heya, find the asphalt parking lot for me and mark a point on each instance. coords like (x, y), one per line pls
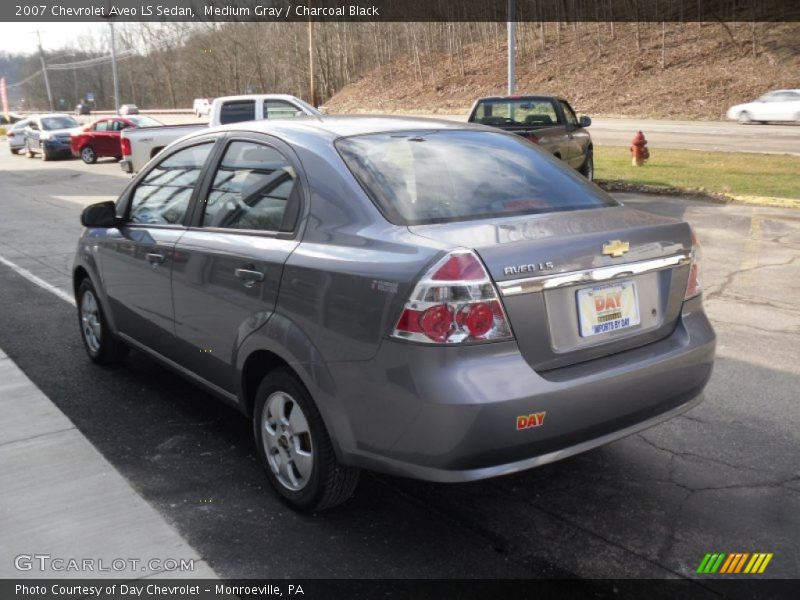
(724, 477)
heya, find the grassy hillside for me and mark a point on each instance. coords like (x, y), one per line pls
(707, 68)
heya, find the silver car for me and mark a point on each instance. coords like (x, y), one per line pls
(424, 298)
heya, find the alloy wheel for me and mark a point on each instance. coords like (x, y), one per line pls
(90, 322)
(286, 437)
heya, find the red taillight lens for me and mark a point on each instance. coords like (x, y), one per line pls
(454, 302)
(126, 146)
(693, 287)
(532, 138)
(10, 134)
(460, 267)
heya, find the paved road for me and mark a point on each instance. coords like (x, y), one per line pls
(723, 477)
(725, 136)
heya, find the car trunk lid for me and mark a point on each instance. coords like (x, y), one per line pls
(567, 300)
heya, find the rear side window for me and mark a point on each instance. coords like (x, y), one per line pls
(237, 111)
(253, 188)
(163, 195)
(442, 176)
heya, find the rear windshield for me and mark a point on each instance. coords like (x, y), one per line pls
(442, 176)
(140, 121)
(520, 112)
(50, 123)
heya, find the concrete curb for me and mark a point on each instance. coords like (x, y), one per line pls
(62, 500)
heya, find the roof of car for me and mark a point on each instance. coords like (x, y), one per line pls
(50, 115)
(521, 97)
(333, 127)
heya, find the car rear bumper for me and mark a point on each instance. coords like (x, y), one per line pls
(126, 165)
(452, 414)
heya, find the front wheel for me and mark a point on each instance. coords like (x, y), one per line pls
(45, 155)
(295, 448)
(587, 169)
(101, 345)
(28, 151)
(745, 118)
(88, 155)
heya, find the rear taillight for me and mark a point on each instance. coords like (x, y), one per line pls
(10, 134)
(454, 302)
(126, 146)
(532, 138)
(693, 287)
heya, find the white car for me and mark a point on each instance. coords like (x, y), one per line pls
(202, 106)
(780, 105)
(16, 136)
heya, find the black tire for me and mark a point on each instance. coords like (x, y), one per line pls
(744, 118)
(587, 169)
(45, 155)
(88, 155)
(14, 150)
(109, 349)
(330, 483)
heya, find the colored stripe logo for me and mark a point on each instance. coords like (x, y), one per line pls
(735, 562)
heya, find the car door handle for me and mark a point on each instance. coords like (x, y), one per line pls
(154, 258)
(249, 276)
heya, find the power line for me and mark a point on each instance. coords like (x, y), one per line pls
(24, 81)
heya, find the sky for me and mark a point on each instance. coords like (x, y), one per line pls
(20, 38)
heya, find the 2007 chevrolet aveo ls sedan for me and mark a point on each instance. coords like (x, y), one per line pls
(424, 298)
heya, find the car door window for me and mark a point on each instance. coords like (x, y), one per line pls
(101, 126)
(237, 111)
(569, 115)
(254, 188)
(278, 109)
(163, 194)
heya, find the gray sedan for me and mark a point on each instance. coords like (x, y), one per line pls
(424, 298)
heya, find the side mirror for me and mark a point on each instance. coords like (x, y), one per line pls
(102, 214)
(585, 121)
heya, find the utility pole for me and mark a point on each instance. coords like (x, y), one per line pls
(114, 67)
(512, 47)
(312, 94)
(44, 71)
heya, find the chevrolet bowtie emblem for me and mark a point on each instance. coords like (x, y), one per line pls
(616, 248)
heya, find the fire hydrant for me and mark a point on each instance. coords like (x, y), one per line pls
(639, 150)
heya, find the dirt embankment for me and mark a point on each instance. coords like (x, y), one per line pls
(707, 68)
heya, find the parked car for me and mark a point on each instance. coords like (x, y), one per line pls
(425, 298)
(102, 138)
(780, 105)
(140, 146)
(548, 121)
(16, 136)
(129, 109)
(202, 106)
(83, 109)
(49, 135)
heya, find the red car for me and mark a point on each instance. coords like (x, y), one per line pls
(101, 138)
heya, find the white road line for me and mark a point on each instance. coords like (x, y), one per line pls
(38, 281)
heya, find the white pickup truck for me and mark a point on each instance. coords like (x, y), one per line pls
(140, 145)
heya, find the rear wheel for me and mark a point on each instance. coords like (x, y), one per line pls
(101, 345)
(14, 150)
(295, 448)
(88, 155)
(587, 169)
